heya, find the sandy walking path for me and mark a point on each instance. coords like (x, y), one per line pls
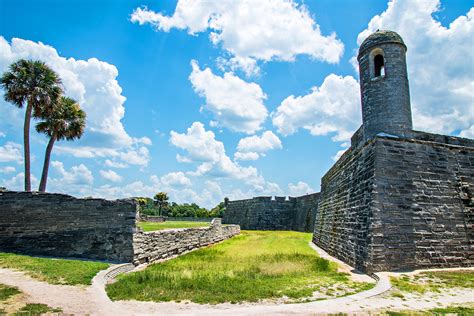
(94, 301)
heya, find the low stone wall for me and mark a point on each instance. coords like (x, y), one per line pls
(280, 213)
(163, 244)
(190, 219)
(63, 226)
(153, 219)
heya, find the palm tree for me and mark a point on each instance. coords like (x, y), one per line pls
(161, 199)
(66, 122)
(34, 84)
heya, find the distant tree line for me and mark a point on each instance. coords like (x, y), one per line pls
(159, 206)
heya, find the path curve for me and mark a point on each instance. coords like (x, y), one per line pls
(94, 301)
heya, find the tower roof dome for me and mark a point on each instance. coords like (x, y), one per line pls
(381, 37)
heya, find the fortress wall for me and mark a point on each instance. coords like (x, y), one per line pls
(306, 207)
(397, 204)
(346, 206)
(63, 226)
(163, 244)
(265, 213)
(425, 204)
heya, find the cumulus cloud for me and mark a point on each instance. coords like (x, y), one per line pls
(115, 164)
(11, 152)
(17, 183)
(300, 188)
(175, 179)
(251, 148)
(441, 80)
(203, 148)
(234, 103)
(441, 85)
(333, 108)
(78, 175)
(93, 83)
(110, 175)
(248, 31)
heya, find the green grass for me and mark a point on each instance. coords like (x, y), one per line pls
(6, 292)
(54, 271)
(252, 266)
(36, 309)
(434, 281)
(467, 310)
(149, 226)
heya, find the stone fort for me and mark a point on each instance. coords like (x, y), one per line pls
(398, 198)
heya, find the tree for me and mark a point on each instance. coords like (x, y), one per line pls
(161, 199)
(66, 122)
(34, 84)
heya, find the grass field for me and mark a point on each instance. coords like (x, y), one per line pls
(252, 266)
(149, 226)
(54, 271)
(433, 281)
(458, 310)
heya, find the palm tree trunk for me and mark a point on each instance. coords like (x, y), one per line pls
(26, 146)
(47, 157)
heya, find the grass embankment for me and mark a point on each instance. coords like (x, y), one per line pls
(54, 271)
(458, 310)
(252, 266)
(150, 226)
(433, 281)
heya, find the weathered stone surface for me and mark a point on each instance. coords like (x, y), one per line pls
(63, 226)
(397, 204)
(153, 246)
(265, 213)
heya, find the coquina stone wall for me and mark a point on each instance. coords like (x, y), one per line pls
(395, 204)
(163, 244)
(280, 213)
(63, 226)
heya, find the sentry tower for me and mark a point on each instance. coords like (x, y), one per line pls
(385, 94)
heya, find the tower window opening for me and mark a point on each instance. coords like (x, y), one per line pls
(379, 68)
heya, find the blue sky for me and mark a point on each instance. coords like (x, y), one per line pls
(229, 98)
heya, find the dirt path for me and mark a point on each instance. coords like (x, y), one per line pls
(93, 300)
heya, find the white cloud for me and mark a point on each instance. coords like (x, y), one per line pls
(7, 169)
(202, 147)
(333, 108)
(175, 179)
(17, 183)
(299, 189)
(251, 148)
(78, 175)
(235, 103)
(2, 134)
(468, 133)
(200, 144)
(93, 83)
(115, 164)
(441, 85)
(250, 30)
(139, 156)
(110, 175)
(11, 152)
(438, 57)
(246, 156)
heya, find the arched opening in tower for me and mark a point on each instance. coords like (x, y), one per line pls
(379, 69)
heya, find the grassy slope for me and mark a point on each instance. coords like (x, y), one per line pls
(254, 265)
(148, 226)
(54, 271)
(434, 281)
